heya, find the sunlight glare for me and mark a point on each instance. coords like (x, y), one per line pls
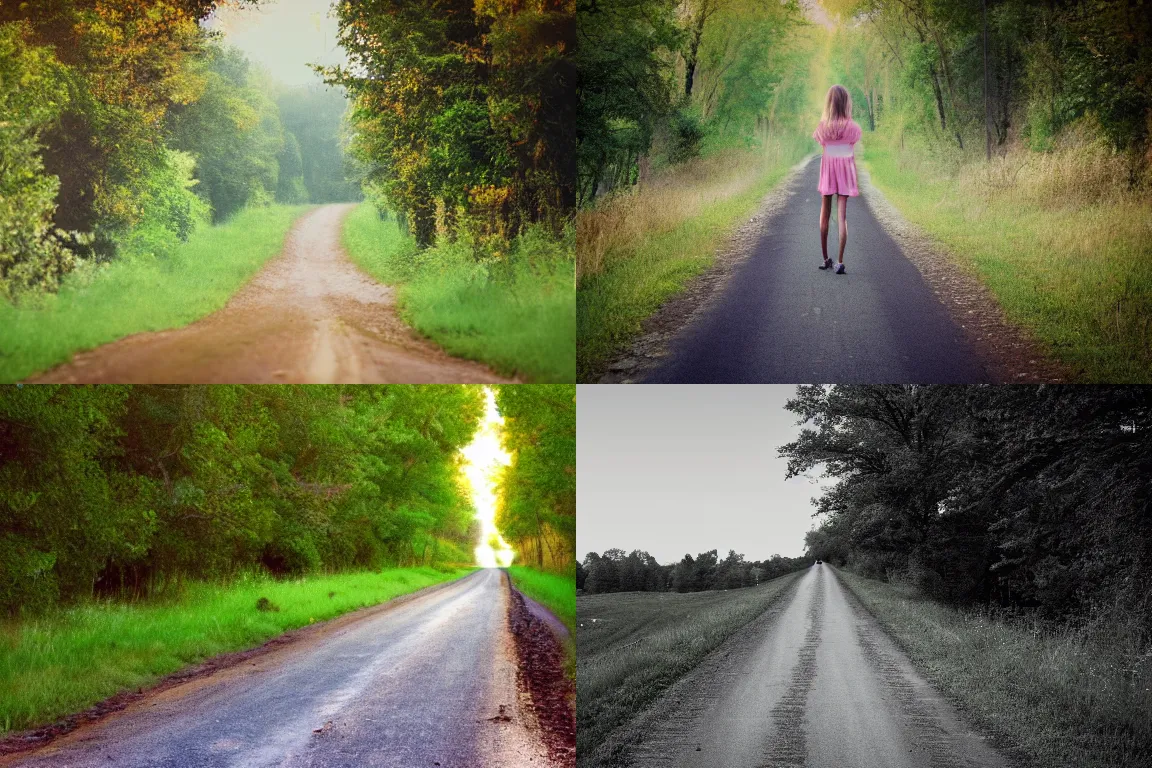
(482, 457)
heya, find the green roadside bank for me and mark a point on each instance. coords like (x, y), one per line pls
(139, 292)
(513, 313)
(72, 658)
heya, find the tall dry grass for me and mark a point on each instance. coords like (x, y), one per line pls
(1060, 696)
(1063, 238)
(619, 223)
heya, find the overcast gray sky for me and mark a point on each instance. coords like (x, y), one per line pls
(675, 469)
(284, 36)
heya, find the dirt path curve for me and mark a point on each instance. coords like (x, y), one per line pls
(309, 316)
(429, 682)
(818, 684)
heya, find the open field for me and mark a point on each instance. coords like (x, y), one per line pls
(633, 645)
(516, 315)
(140, 292)
(73, 658)
(1061, 697)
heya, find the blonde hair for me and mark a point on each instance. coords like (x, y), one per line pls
(838, 106)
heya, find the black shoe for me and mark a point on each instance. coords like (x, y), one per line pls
(840, 268)
(827, 264)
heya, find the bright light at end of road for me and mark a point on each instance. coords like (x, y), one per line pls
(482, 457)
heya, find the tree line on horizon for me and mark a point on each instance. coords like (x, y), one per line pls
(125, 491)
(638, 571)
(1025, 497)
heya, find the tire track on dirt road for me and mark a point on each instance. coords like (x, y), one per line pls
(310, 316)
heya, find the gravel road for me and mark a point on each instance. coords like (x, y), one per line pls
(816, 683)
(429, 682)
(309, 316)
(780, 319)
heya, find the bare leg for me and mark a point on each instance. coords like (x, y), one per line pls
(842, 215)
(825, 212)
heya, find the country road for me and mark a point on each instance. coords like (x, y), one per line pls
(427, 682)
(779, 319)
(309, 316)
(812, 682)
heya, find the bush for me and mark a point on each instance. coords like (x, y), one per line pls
(32, 95)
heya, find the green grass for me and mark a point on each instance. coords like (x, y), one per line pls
(515, 314)
(140, 293)
(554, 591)
(1058, 697)
(638, 277)
(634, 645)
(67, 661)
(1069, 260)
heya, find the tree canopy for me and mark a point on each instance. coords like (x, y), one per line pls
(114, 489)
(1026, 496)
(537, 505)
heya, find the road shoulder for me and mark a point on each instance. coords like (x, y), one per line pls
(1009, 353)
(550, 694)
(699, 295)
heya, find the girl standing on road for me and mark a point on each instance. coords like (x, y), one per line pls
(837, 134)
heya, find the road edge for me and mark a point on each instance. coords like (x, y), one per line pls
(1010, 353)
(999, 741)
(32, 739)
(540, 674)
(651, 346)
(618, 744)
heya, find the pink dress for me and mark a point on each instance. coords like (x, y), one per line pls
(838, 164)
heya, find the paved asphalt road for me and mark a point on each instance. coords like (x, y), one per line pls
(818, 685)
(782, 320)
(407, 687)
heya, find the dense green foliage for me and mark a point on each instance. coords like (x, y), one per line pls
(61, 663)
(1025, 496)
(537, 507)
(920, 63)
(514, 314)
(126, 126)
(116, 489)
(463, 110)
(661, 81)
(639, 571)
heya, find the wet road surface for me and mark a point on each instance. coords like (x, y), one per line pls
(429, 682)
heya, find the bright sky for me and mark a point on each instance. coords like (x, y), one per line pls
(284, 36)
(483, 456)
(685, 469)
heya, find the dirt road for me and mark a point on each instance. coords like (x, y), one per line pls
(816, 683)
(430, 682)
(310, 316)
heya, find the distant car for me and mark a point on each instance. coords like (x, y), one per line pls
(817, 562)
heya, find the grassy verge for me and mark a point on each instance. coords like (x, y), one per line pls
(140, 293)
(1063, 697)
(638, 250)
(634, 645)
(67, 661)
(515, 314)
(1066, 250)
(554, 591)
